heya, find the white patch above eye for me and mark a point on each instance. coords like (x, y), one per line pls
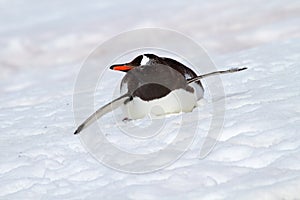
(145, 60)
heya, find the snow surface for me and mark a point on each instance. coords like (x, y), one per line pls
(42, 47)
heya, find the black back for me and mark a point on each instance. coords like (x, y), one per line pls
(181, 68)
(153, 81)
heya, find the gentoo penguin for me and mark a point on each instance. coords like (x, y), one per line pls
(155, 85)
(151, 59)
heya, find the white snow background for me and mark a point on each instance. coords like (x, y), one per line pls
(43, 44)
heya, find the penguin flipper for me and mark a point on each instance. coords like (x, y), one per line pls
(102, 111)
(197, 78)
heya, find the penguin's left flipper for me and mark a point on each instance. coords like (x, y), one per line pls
(102, 111)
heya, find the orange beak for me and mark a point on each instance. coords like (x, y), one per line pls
(121, 67)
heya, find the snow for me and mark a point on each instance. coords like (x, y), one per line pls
(257, 155)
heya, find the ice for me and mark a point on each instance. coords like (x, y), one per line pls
(42, 46)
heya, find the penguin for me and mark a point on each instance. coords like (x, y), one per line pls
(155, 85)
(152, 59)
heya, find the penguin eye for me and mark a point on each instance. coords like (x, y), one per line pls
(137, 61)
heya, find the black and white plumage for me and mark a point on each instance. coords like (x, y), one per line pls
(152, 81)
(152, 59)
(156, 86)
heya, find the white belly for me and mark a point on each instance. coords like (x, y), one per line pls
(177, 101)
(199, 92)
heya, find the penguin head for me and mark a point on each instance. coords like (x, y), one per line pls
(144, 59)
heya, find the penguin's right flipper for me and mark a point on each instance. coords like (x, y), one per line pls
(197, 78)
